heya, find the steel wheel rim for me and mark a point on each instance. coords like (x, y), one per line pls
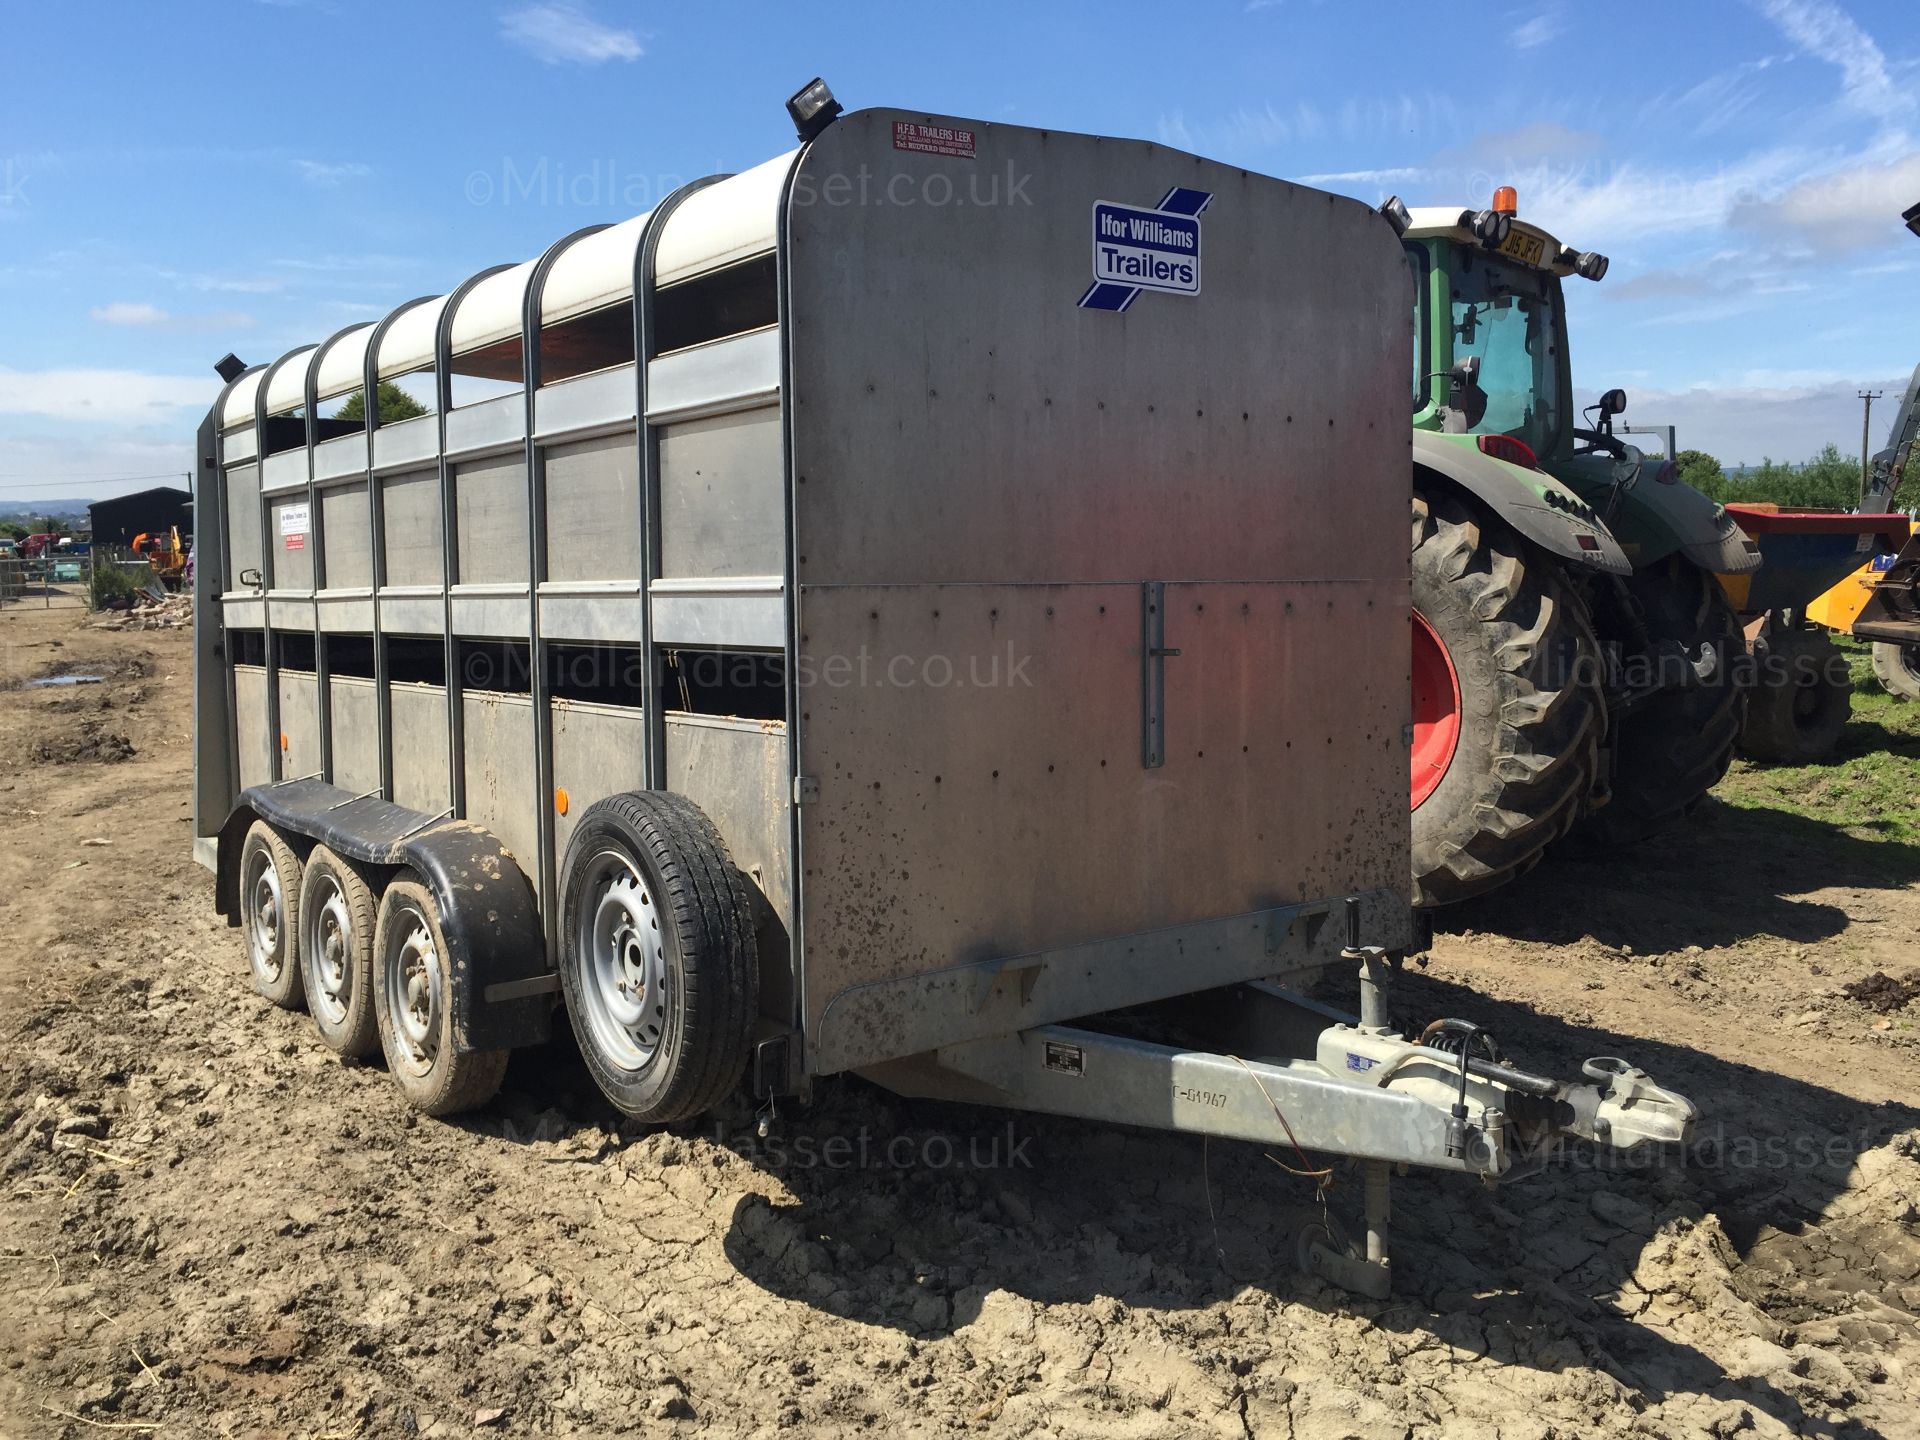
(265, 907)
(327, 948)
(622, 962)
(416, 996)
(1436, 711)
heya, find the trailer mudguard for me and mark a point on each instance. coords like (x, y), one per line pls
(502, 996)
(1534, 503)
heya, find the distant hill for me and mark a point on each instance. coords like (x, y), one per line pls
(67, 509)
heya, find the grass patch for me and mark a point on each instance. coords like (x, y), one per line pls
(1870, 785)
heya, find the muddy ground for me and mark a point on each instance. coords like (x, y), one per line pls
(210, 1226)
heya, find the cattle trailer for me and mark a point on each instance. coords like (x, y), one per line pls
(882, 612)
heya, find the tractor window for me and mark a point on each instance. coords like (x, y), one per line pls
(1504, 315)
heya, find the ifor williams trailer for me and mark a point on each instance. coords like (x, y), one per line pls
(898, 604)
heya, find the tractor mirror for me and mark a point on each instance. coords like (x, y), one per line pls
(1613, 403)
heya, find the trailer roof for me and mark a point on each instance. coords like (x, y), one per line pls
(724, 222)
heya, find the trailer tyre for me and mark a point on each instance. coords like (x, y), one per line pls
(414, 990)
(1897, 668)
(658, 961)
(1507, 711)
(337, 916)
(270, 880)
(1800, 700)
(1671, 749)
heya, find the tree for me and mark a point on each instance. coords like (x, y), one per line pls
(1829, 481)
(395, 405)
(14, 530)
(1702, 471)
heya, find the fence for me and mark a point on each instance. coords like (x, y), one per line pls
(85, 581)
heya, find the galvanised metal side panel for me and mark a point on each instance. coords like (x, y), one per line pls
(356, 740)
(284, 471)
(722, 511)
(609, 615)
(598, 751)
(420, 747)
(738, 772)
(490, 507)
(736, 373)
(344, 612)
(500, 611)
(406, 442)
(593, 509)
(499, 769)
(299, 724)
(585, 402)
(980, 464)
(422, 612)
(290, 532)
(241, 444)
(343, 455)
(487, 424)
(243, 522)
(349, 546)
(250, 723)
(410, 505)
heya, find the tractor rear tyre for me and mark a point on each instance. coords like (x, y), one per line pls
(1800, 699)
(1673, 747)
(1507, 708)
(1897, 668)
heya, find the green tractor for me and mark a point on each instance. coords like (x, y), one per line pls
(1575, 665)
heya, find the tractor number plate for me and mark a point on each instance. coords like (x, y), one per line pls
(1527, 249)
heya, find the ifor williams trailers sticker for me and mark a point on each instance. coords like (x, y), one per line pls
(1136, 248)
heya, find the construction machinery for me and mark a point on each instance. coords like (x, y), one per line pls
(165, 554)
(1573, 658)
(874, 638)
(1878, 602)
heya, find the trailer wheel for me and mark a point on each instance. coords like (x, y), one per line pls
(1897, 668)
(1672, 748)
(270, 878)
(657, 961)
(1800, 700)
(336, 954)
(415, 994)
(1507, 713)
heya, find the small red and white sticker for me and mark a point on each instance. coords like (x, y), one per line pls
(924, 139)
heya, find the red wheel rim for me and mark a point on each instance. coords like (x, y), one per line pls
(1436, 710)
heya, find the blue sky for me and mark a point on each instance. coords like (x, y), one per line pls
(178, 181)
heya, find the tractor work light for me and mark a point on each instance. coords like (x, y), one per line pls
(813, 108)
(1506, 201)
(229, 367)
(1591, 265)
(1492, 228)
(1398, 216)
(1912, 216)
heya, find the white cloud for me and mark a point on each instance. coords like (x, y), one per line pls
(1823, 30)
(1540, 29)
(331, 172)
(102, 395)
(1749, 416)
(561, 32)
(1855, 208)
(139, 314)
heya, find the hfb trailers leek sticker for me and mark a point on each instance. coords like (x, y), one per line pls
(1136, 248)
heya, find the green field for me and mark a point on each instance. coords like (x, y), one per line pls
(1869, 787)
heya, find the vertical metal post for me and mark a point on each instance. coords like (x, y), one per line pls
(276, 757)
(540, 687)
(450, 546)
(1867, 397)
(377, 541)
(1153, 674)
(654, 727)
(1379, 1211)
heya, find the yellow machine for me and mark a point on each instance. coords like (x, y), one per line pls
(164, 553)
